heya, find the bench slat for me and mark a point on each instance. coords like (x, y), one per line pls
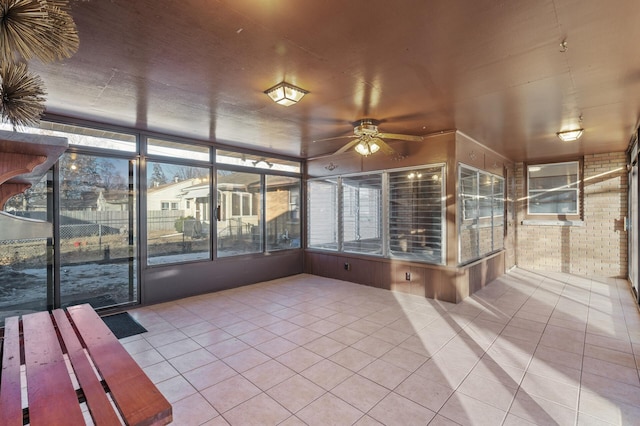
(100, 408)
(138, 399)
(10, 394)
(47, 375)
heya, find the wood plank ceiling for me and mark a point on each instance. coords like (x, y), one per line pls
(493, 69)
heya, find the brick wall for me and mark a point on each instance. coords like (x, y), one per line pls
(599, 248)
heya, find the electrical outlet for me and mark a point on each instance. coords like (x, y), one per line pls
(407, 276)
(347, 266)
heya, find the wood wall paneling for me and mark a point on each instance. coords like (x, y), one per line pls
(329, 266)
(470, 153)
(310, 265)
(493, 164)
(333, 165)
(361, 271)
(483, 272)
(477, 276)
(171, 282)
(448, 285)
(398, 277)
(496, 266)
(354, 270)
(436, 148)
(414, 285)
(418, 284)
(434, 282)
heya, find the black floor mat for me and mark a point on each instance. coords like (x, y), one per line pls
(123, 325)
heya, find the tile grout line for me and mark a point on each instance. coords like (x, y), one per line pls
(526, 369)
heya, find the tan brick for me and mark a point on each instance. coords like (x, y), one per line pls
(598, 248)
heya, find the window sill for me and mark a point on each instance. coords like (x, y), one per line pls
(531, 222)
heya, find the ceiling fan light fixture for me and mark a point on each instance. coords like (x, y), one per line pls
(285, 94)
(570, 135)
(367, 148)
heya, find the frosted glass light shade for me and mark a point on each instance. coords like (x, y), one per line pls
(285, 94)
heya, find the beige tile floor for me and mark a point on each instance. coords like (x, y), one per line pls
(531, 348)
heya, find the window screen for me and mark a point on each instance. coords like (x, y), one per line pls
(323, 214)
(362, 213)
(416, 222)
(396, 213)
(239, 227)
(553, 188)
(480, 213)
(177, 231)
(282, 212)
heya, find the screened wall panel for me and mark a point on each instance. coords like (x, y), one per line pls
(97, 228)
(282, 212)
(322, 217)
(468, 235)
(178, 217)
(416, 221)
(26, 278)
(480, 213)
(362, 214)
(239, 228)
(396, 214)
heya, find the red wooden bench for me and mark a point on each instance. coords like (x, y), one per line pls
(52, 345)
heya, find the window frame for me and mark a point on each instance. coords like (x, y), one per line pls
(411, 255)
(171, 257)
(476, 223)
(291, 236)
(332, 244)
(384, 214)
(555, 216)
(256, 202)
(352, 211)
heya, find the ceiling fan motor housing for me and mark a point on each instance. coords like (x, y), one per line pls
(366, 127)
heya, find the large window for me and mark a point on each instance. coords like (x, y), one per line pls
(239, 215)
(25, 277)
(411, 200)
(89, 199)
(322, 217)
(480, 213)
(416, 221)
(178, 213)
(554, 188)
(97, 226)
(258, 203)
(282, 214)
(362, 213)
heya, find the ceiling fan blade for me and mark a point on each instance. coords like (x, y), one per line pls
(400, 137)
(335, 138)
(384, 147)
(347, 146)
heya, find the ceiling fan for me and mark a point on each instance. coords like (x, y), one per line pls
(368, 140)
